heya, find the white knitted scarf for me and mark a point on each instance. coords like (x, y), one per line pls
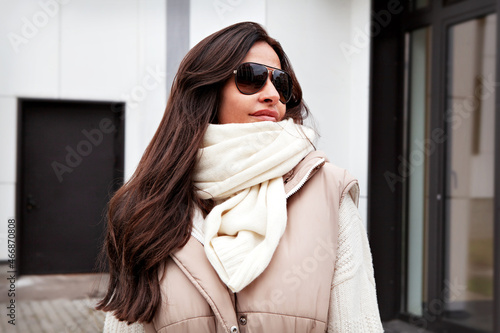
(241, 166)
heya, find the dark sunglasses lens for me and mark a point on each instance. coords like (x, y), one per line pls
(250, 78)
(283, 84)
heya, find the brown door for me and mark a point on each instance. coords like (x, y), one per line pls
(70, 162)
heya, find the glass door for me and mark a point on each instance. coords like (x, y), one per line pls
(469, 173)
(434, 198)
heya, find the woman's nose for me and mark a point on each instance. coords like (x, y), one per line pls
(268, 92)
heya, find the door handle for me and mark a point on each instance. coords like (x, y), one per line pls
(30, 204)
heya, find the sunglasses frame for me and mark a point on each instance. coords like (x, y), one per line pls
(269, 69)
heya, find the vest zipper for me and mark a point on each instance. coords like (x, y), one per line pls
(297, 187)
(236, 303)
(236, 312)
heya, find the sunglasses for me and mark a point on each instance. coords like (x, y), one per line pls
(250, 77)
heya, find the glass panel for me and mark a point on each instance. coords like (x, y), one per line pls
(418, 4)
(450, 2)
(417, 152)
(470, 173)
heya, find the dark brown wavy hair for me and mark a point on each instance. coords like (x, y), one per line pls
(149, 217)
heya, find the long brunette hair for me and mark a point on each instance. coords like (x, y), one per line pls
(149, 217)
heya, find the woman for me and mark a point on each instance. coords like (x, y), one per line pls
(232, 222)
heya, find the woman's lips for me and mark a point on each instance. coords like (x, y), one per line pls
(269, 115)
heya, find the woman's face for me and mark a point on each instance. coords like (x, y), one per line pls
(264, 105)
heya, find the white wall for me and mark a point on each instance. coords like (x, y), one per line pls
(334, 83)
(207, 17)
(86, 50)
(359, 98)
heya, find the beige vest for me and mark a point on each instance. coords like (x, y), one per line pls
(293, 293)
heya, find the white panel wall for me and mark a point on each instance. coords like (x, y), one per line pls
(29, 49)
(208, 17)
(111, 50)
(8, 126)
(359, 93)
(152, 65)
(99, 46)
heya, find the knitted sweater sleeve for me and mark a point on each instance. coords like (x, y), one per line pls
(353, 300)
(113, 325)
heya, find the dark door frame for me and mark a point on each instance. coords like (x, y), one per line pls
(385, 202)
(496, 258)
(118, 109)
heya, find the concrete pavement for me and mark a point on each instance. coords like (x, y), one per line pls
(51, 303)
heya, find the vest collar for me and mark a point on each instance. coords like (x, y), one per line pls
(306, 168)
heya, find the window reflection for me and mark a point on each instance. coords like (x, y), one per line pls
(470, 173)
